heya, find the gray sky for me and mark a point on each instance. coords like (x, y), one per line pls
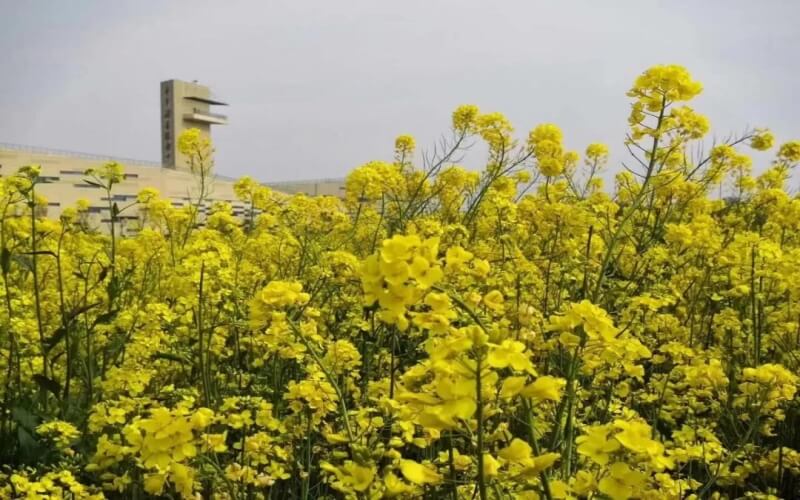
(319, 87)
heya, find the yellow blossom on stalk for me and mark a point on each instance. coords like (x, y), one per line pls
(279, 294)
(595, 321)
(519, 455)
(622, 482)
(670, 82)
(710, 375)
(509, 353)
(404, 145)
(656, 89)
(55, 484)
(491, 465)
(789, 152)
(438, 315)
(686, 122)
(762, 140)
(596, 444)
(315, 394)
(545, 142)
(351, 477)
(464, 118)
(276, 295)
(545, 388)
(395, 487)
(110, 173)
(418, 473)
(517, 451)
(767, 386)
(496, 130)
(584, 482)
(62, 433)
(456, 257)
(494, 301)
(596, 151)
(192, 140)
(146, 195)
(398, 274)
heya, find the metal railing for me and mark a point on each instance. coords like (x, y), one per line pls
(76, 154)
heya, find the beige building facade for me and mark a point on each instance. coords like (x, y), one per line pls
(63, 174)
(184, 105)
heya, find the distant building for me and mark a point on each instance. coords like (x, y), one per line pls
(63, 173)
(183, 105)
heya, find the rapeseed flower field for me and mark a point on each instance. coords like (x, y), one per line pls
(515, 332)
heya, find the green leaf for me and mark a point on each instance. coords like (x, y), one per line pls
(5, 260)
(171, 357)
(113, 287)
(93, 183)
(48, 384)
(104, 318)
(24, 418)
(42, 252)
(29, 447)
(80, 310)
(54, 339)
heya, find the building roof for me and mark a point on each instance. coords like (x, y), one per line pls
(76, 154)
(206, 100)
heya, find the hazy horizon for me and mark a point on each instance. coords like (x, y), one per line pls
(316, 89)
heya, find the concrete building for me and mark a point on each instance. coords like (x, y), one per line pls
(315, 187)
(63, 174)
(183, 105)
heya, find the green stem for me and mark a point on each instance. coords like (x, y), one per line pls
(452, 466)
(201, 360)
(528, 408)
(479, 416)
(36, 294)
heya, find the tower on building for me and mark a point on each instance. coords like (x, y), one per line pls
(185, 105)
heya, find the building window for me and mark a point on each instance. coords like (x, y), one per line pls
(117, 197)
(86, 186)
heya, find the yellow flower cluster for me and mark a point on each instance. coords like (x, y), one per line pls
(404, 145)
(396, 276)
(62, 433)
(546, 143)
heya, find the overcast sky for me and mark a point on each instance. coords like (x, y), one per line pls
(319, 87)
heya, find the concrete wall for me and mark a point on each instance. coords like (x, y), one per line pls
(322, 187)
(64, 186)
(64, 173)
